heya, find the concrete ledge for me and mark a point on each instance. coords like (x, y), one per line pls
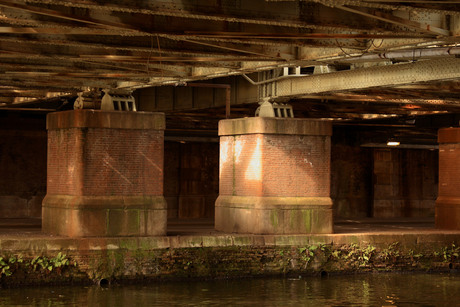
(83, 216)
(449, 135)
(105, 119)
(274, 215)
(271, 125)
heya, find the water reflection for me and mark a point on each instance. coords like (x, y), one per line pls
(351, 290)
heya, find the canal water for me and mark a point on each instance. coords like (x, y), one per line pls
(349, 290)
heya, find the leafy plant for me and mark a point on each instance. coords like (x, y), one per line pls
(413, 255)
(365, 256)
(360, 256)
(59, 261)
(449, 254)
(5, 267)
(44, 263)
(336, 254)
(307, 253)
(392, 252)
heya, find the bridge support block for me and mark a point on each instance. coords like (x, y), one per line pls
(105, 174)
(447, 209)
(274, 176)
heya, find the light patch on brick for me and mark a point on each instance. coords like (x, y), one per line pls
(254, 170)
(107, 163)
(307, 162)
(238, 149)
(150, 161)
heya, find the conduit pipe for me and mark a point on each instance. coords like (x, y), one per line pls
(269, 80)
(406, 54)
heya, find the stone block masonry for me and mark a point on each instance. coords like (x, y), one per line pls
(105, 174)
(274, 176)
(447, 209)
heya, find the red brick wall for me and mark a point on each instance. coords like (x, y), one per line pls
(405, 182)
(448, 205)
(275, 165)
(351, 179)
(96, 161)
(449, 162)
(171, 177)
(22, 172)
(64, 162)
(449, 170)
(191, 178)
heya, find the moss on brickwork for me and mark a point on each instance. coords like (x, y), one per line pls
(225, 262)
(132, 263)
(307, 220)
(274, 219)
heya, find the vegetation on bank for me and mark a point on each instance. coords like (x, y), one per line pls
(222, 262)
(17, 269)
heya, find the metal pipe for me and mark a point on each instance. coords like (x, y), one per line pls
(406, 54)
(272, 79)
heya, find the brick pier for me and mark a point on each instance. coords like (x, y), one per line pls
(274, 176)
(448, 203)
(105, 174)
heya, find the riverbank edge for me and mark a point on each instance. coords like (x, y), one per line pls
(58, 260)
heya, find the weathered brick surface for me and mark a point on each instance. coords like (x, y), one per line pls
(91, 161)
(191, 180)
(275, 165)
(448, 202)
(191, 257)
(403, 180)
(22, 170)
(351, 176)
(449, 170)
(274, 176)
(107, 180)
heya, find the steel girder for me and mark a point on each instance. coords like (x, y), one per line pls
(376, 76)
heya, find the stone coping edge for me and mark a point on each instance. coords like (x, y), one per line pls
(60, 243)
(105, 119)
(271, 125)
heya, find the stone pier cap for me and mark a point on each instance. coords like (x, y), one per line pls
(273, 125)
(105, 119)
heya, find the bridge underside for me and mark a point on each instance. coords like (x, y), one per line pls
(377, 70)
